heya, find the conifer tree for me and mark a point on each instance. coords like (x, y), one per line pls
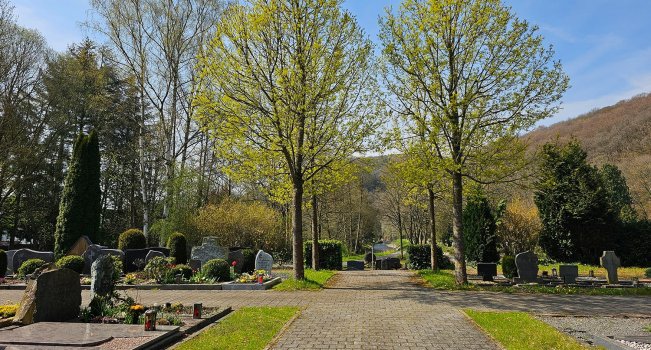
(79, 209)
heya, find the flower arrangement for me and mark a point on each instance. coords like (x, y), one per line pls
(137, 308)
(130, 278)
(256, 276)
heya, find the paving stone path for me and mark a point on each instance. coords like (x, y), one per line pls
(388, 310)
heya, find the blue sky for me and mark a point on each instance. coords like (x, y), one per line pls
(604, 45)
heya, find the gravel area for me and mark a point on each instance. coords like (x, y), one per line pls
(635, 345)
(583, 327)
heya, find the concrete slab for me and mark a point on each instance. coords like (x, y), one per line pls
(76, 334)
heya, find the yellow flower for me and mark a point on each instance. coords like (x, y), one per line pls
(137, 307)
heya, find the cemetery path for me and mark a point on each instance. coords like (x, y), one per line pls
(388, 309)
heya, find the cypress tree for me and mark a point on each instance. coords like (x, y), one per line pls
(79, 209)
(479, 228)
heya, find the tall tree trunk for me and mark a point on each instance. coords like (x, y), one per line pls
(315, 234)
(432, 222)
(457, 229)
(400, 232)
(297, 230)
(14, 229)
(143, 169)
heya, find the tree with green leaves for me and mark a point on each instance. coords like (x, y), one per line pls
(479, 229)
(79, 210)
(468, 76)
(619, 195)
(285, 89)
(577, 220)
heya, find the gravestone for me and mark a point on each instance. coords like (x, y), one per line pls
(94, 251)
(152, 254)
(355, 265)
(101, 276)
(54, 296)
(209, 250)
(527, 264)
(238, 257)
(568, 273)
(195, 264)
(80, 246)
(389, 264)
(610, 262)
(264, 261)
(487, 271)
(10, 261)
(130, 255)
(21, 255)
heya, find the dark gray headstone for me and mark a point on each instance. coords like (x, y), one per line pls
(152, 254)
(610, 262)
(209, 250)
(355, 265)
(101, 276)
(21, 255)
(10, 261)
(568, 273)
(264, 261)
(130, 255)
(487, 271)
(54, 296)
(527, 264)
(238, 257)
(195, 264)
(389, 263)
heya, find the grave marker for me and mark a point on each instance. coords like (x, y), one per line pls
(568, 273)
(487, 271)
(55, 295)
(264, 261)
(527, 264)
(610, 262)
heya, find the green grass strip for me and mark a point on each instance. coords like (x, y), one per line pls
(444, 280)
(314, 280)
(248, 328)
(520, 331)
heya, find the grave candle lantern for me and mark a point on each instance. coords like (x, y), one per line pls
(150, 320)
(197, 310)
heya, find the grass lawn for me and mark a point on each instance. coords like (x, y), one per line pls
(314, 280)
(247, 328)
(520, 331)
(584, 270)
(444, 280)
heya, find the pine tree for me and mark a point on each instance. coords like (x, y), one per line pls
(79, 209)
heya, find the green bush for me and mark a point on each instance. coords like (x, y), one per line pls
(185, 270)
(647, 273)
(249, 260)
(330, 257)
(3, 263)
(132, 239)
(479, 230)
(218, 269)
(72, 262)
(178, 247)
(508, 266)
(29, 266)
(159, 269)
(419, 257)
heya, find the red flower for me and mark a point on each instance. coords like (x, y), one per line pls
(234, 263)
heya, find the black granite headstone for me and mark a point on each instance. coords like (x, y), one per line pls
(487, 271)
(130, 255)
(355, 265)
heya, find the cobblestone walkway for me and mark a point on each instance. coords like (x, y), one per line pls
(388, 310)
(367, 310)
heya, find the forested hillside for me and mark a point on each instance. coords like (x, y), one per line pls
(618, 134)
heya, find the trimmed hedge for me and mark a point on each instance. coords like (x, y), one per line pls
(72, 262)
(132, 239)
(419, 257)
(508, 266)
(29, 266)
(217, 268)
(178, 246)
(3, 263)
(330, 256)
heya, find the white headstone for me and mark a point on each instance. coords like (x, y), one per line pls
(264, 261)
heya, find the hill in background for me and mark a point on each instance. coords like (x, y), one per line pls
(618, 134)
